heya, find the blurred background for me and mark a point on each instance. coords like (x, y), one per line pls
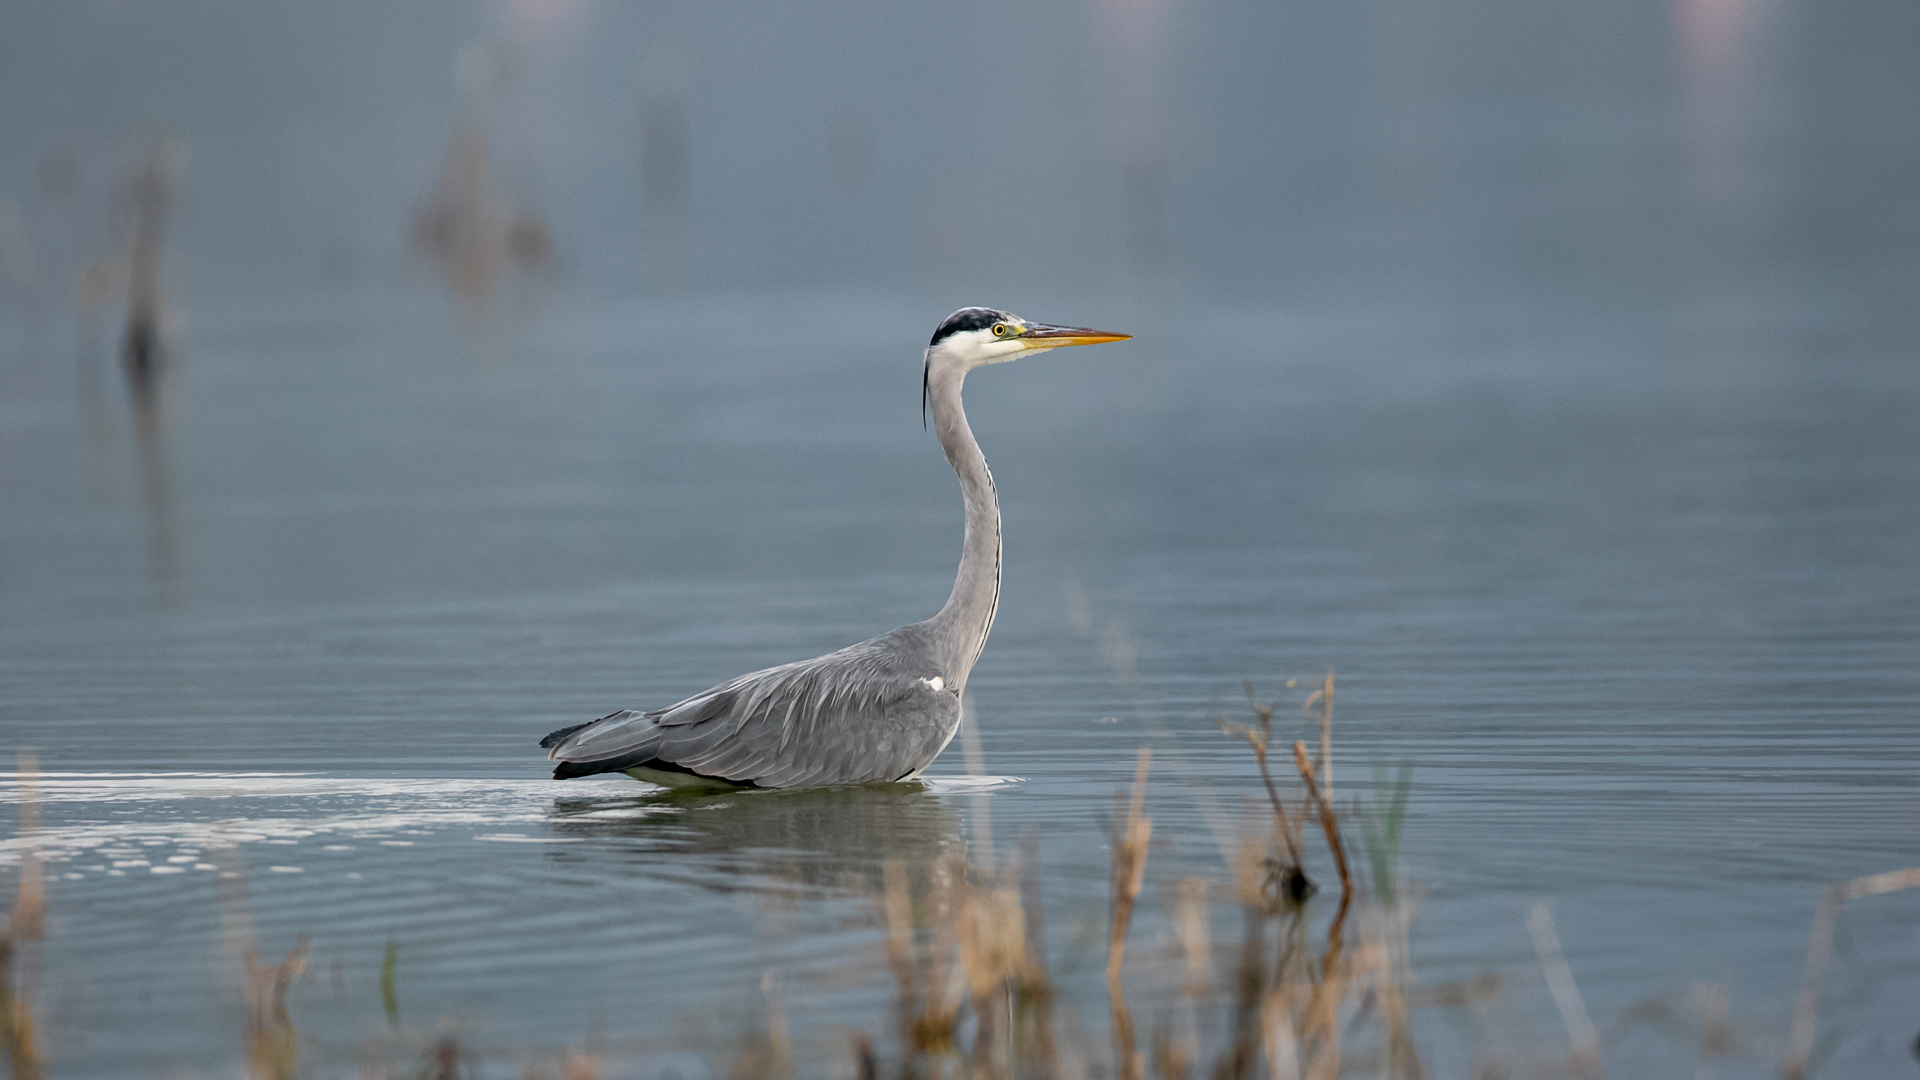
(1708, 148)
(382, 387)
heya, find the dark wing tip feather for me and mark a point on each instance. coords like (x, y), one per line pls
(556, 738)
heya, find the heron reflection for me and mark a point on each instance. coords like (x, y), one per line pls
(815, 840)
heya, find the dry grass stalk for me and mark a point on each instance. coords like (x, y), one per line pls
(273, 1046)
(584, 1066)
(1316, 1024)
(1293, 876)
(1581, 1034)
(1323, 698)
(1250, 975)
(1195, 939)
(1282, 1049)
(447, 1058)
(1129, 864)
(1329, 827)
(1033, 1009)
(1318, 1031)
(993, 952)
(1820, 947)
(1129, 873)
(26, 923)
(272, 1042)
(976, 954)
(16, 1018)
(779, 1064)
(926, 1023)
(1172, 1059)
(1718, 1037)
(1389, 956)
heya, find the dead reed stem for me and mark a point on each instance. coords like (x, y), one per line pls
(1317, 1029)
(1034, 1014)
(1323, 698)
(1129, 872)
(1129, 864)
(1195, 938)
(1329, 827)
(25, 923)
(1582, 1036)
(272, 1042)
(273, 1046)
(1391, 972)
(1258, 739)
(779, 1044)
(1249, 984)
(1282, 1049)
(992, 951)
(1820, 948)
(925, 1026)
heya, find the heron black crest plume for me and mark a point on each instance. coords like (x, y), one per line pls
(875, 712)
(967, 318)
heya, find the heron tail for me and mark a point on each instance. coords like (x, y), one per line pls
(556, 738)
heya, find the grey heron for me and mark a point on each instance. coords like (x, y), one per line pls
(875, 712)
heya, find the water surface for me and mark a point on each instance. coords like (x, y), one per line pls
(1645, 630)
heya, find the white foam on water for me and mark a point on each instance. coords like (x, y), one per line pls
(119, 817)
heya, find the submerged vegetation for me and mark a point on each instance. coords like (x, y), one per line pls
(1318, 983)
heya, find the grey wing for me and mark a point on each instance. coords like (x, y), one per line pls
(865, 714)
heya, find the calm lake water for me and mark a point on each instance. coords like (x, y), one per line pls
(1634, 592)
(1549, 371)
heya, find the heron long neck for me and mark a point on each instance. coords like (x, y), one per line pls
(961, 626)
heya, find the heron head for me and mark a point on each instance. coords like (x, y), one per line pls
(976, 336)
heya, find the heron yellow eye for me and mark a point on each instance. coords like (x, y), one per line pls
(1001, 329)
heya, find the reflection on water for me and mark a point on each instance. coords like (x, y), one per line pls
(460, 876)
(148, 194)
(148, 389)
(164, 823)
(831, 840)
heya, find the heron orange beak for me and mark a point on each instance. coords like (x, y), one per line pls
(1042, 336)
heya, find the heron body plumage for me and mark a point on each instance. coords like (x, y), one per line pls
(876, 712)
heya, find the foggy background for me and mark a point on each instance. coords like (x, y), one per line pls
(1706, 151)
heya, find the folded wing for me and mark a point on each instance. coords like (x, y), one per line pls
(865, 714)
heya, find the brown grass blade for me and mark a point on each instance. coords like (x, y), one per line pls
(25, 923)
(1129, 872)
(1820, 948)
(1329, 826)
(1582, 1036)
